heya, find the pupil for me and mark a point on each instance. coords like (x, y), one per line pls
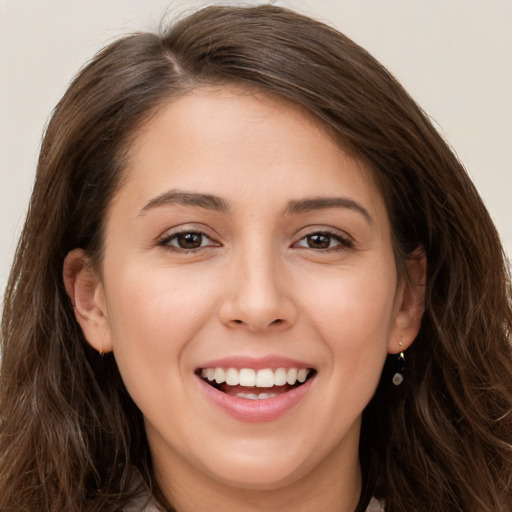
(319, 241)
(190, 240)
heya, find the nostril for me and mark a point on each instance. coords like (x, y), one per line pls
(252, 325)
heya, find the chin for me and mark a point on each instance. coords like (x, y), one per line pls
(264, 470)
(259, 478)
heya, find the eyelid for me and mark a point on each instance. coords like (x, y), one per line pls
(168, 235)
(346, 241)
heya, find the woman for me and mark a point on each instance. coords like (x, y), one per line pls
(253, 277)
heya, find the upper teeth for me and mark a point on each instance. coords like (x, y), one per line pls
(248, 377)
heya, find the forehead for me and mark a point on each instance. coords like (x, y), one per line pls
(218, 140)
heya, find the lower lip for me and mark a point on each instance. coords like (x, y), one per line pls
(256, 411)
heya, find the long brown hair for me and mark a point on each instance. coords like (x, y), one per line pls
(70, 435)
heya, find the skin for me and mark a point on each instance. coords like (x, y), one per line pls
(256, 286)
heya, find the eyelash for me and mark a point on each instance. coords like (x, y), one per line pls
(341, 245)
(166, 241)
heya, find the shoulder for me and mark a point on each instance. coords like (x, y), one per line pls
(144, 504)
(375, 506)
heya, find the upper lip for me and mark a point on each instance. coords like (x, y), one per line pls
(257, 363)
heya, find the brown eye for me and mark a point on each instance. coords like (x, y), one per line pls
(324, 241)
(189, 240)
(319, 241)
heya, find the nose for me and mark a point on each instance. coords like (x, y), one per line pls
(258, 295)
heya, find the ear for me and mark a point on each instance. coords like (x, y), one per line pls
(85, 290)
(409, 303)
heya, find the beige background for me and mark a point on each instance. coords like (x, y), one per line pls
(454, 57)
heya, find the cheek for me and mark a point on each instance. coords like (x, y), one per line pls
(153, 316)
(354, 314)
(157, 300)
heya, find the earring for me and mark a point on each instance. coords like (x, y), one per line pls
(398, 376)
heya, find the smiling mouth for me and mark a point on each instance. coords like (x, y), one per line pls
(255, 384)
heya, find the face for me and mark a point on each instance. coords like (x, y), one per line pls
(248, 291)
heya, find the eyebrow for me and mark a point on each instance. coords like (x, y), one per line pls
(324, 203)
(215, 203)
(207, 201)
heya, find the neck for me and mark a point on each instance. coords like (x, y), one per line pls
(333, 486)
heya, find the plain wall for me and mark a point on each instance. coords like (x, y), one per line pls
(453, 56)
